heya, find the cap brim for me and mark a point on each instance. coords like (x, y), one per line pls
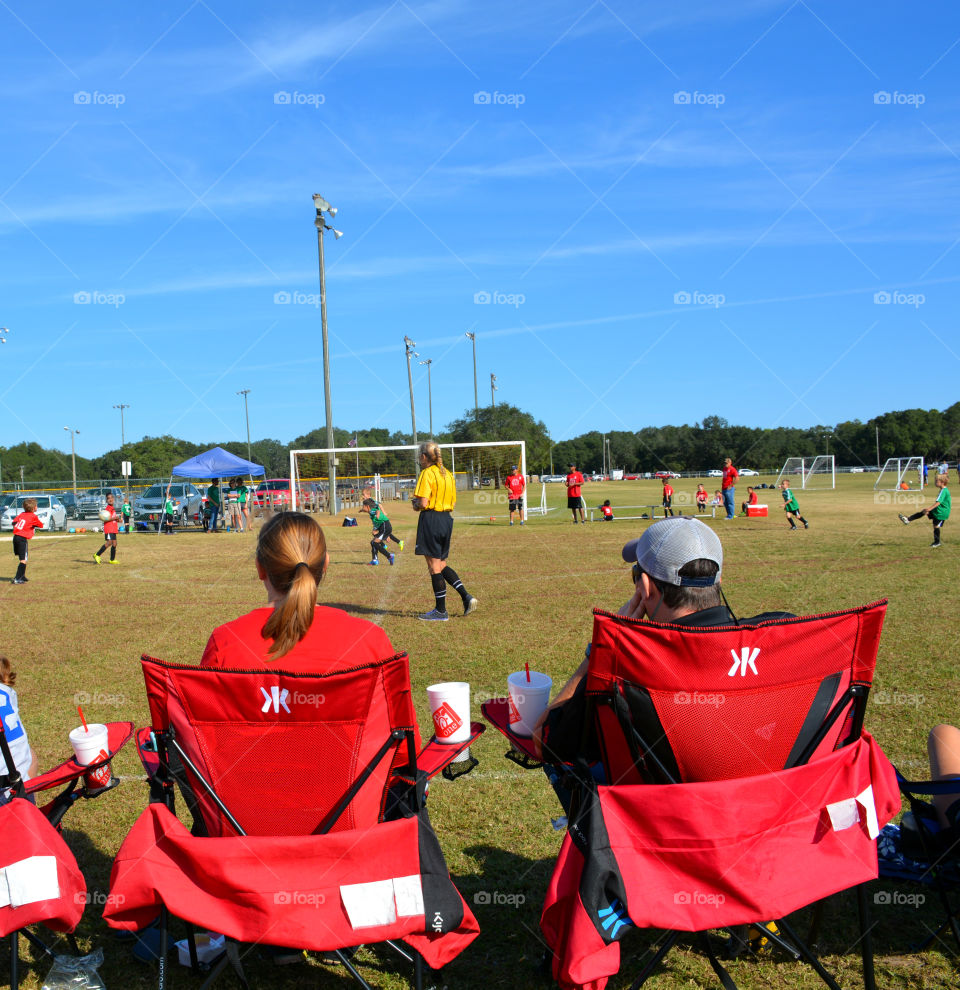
(629, 552)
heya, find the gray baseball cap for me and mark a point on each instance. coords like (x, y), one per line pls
(669, 544)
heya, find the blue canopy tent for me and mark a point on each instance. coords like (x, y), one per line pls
(215, 463)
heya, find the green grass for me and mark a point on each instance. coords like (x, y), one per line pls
(79, 629)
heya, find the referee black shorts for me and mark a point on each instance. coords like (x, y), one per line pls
(434, 530)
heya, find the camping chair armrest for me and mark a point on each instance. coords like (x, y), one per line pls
(929, 787)
(147, 751)
(497, 713)
(118, 735)
(436, 756)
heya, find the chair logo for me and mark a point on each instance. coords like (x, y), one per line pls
(275, 699)
(745, 660)
(446, 721)
(615, 917)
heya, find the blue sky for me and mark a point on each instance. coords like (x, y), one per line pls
(648, 213)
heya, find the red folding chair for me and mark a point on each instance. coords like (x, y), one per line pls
(742, 787)
(39, 877)
(310, 826)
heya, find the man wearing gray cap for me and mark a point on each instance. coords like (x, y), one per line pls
(677, 565)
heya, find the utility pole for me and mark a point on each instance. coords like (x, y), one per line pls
(321, 224)
(879, 465)
(246, 411)
(428, 362)
(73, 457)
(123, 440)
(409, 346)
(493, 389)
(476, 401)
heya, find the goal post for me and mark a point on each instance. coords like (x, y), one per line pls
(813, 473)
(386, 473)
(899, 471)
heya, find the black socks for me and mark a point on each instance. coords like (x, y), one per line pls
(440, 590)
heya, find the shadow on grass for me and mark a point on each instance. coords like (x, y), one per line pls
(356, 609)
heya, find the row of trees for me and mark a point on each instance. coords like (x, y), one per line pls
(932, 433)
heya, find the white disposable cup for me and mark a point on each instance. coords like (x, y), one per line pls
(92, 744)
(528, 700)
(450, 708)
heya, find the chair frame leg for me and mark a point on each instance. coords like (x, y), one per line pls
(808, 956)
(162, 964)
(866, 938)
(14, 960)
(666, 945)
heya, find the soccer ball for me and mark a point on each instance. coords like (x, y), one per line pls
(105, 514)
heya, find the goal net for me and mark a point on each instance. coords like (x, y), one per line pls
(389, 474)
(898, 473)
(810, 473)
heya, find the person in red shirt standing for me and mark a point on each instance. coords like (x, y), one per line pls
(23, 527)
(728, 487)
(574, 499)
(667, 498)
(516, 486)
(111, 526)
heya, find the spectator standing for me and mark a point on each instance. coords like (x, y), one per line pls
(574, 498)
(516, 485)
(23, 527)
(242, 495)
(434, 498)
(213, 501)
(125, 511)
(728, 487)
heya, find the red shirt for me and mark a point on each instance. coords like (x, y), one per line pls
(701, 496)
(668, 491)
(25, 524)
(335, 641)
(574, 481)
(111, 525)
(515, 485)
(729, 477)
(753, 499)
(607, 511)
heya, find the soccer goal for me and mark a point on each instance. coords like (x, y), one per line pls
(813, 473)
(899, 472)
(390, 474)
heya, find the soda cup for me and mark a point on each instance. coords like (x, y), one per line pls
(89, 745)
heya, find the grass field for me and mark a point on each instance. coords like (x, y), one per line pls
(77, 628)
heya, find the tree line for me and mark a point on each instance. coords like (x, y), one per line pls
(932, 433)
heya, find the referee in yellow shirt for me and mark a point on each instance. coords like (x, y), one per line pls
(434, 498)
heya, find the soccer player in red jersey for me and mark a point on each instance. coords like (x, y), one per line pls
(111, 527)
(23, 527)
(516, 485)
(667, 498)
(574, 501)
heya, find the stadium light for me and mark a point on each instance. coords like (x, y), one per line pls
(73, 458)
(493, 388)
(322, 206)
(476, 401)
(410, 352)
(428, 362)
(123, 439)
(246, 411)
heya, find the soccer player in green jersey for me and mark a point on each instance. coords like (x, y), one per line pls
(790, 506)
(938, 514)
(381, 530)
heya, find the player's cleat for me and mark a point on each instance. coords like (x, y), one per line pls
(932, 546)
(400, 545)
(114, 561)
(521, 522)
(392, 558)
(806, 525)
(96, 557)
(25, 579)
(903, 519)
(792, 528)
(470, 605)
(374, 562)
(511, 522)
(18, 580)
(434, 615)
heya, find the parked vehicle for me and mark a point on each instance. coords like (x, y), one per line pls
(274, 492)
(95, 499)
(666, 474)
(49, 508)
(148, 507)
(69, 502)
(715, 473)
(747, 473)
(553, 477)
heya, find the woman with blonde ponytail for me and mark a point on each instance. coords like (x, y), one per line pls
(292, 632)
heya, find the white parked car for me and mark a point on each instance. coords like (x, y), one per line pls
(747, 473)
(715, 473)
(50, 509)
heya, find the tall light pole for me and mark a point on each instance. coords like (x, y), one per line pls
(246, 412)
(609, 470)
(123, 439)
(73, 457)
(476, 401)
(493, 388)
(428, 362)
(409, 346)
(321, 224)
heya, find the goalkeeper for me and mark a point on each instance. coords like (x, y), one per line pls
(381, 530)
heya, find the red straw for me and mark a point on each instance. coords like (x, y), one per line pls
(82, 719)
(527, 666)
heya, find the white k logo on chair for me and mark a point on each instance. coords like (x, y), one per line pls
(746, 658)
(278, 699)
